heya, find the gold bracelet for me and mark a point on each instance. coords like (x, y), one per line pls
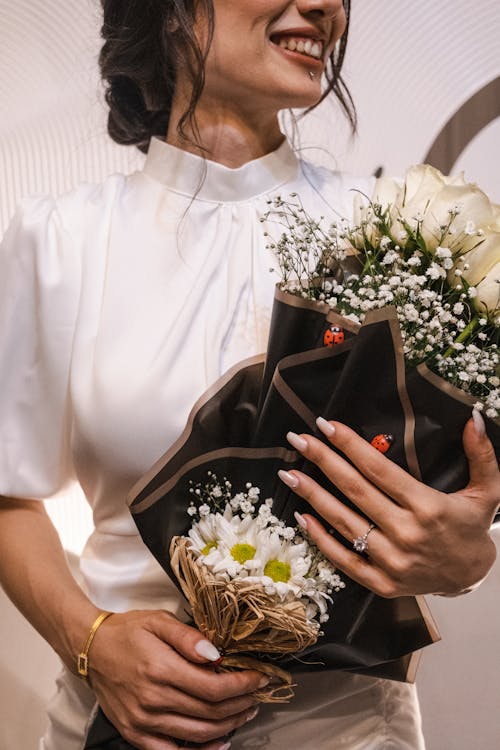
(82, 661)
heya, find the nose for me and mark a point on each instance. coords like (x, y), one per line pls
(330, 15)
(326, 8)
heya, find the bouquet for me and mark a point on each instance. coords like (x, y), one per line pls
(388, 323)
(416, 248)
(253, 584)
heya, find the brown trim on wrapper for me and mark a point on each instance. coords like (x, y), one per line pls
(286, 393)
(331, 315)
(451, 390)
(337, 318)
(413, 665)
(389, 314)
(145, 479)
(429, 620)
(289, 396)
(287, 456)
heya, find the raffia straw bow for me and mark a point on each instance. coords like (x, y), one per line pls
(239, 617)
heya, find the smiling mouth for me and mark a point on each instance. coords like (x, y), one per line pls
(309, 48)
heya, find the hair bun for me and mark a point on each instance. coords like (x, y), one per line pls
(129, 121)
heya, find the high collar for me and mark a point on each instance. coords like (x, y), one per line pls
(202, 179)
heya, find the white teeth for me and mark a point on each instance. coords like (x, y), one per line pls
(307, 47)
(315, 50)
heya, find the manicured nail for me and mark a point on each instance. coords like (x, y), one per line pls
(225, 747)
(296, 441)
(288, 479)
(264, 681)
(479, 423)
(300, 520)
(207, 650)
(325, 427)
(252, 714)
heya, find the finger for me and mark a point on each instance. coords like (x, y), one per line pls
(156, 698)
(181, 727)
(391, 479)
(184, 639)
(368, 574)
(344, 520)
(483, 466)
(204, 683)
(363, 482)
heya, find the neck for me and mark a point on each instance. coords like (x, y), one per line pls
(225, 135)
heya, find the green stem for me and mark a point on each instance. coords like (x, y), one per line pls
(465, 335)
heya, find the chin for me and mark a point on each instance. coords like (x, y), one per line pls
(304, 100)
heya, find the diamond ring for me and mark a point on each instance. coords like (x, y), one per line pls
(360, 544)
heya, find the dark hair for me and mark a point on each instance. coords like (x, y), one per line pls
(143, 43)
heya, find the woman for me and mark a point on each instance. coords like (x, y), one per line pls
(120, 304)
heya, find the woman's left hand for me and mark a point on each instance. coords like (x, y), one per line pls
(424, 541)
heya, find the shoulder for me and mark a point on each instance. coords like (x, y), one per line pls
(38, 213)
(47, 225)
(46, 240)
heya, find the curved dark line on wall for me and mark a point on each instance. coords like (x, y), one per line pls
(474, 115)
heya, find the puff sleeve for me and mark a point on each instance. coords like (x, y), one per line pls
(39, 297)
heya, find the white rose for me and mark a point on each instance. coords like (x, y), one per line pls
(429, 194)
(362, 215)
(387, 191)
(486, 253)
(488, 291)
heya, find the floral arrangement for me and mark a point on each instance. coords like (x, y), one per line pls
(431, 248)
(254, 584)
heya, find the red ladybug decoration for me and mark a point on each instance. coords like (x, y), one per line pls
(334, 335)
(382, 442)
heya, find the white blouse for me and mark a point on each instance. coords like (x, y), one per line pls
(120, 304)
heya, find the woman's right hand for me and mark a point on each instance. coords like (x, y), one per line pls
(154, 679)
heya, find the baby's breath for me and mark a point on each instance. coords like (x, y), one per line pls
(355, 269)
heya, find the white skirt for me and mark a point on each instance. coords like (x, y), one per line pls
(333, 710)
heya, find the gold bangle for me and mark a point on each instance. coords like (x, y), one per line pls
(82, 661)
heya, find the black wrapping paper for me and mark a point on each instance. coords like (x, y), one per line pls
(237, 429)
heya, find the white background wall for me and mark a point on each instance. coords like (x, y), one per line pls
(411, 66)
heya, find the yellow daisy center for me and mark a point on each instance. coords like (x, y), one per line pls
(279, 571)
(209, 547)
(243, 552)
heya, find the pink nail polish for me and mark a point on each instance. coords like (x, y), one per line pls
(300, 520)
(288, 479)
(226, 746)
(479, 424)
(325, 427)
(296, 441)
